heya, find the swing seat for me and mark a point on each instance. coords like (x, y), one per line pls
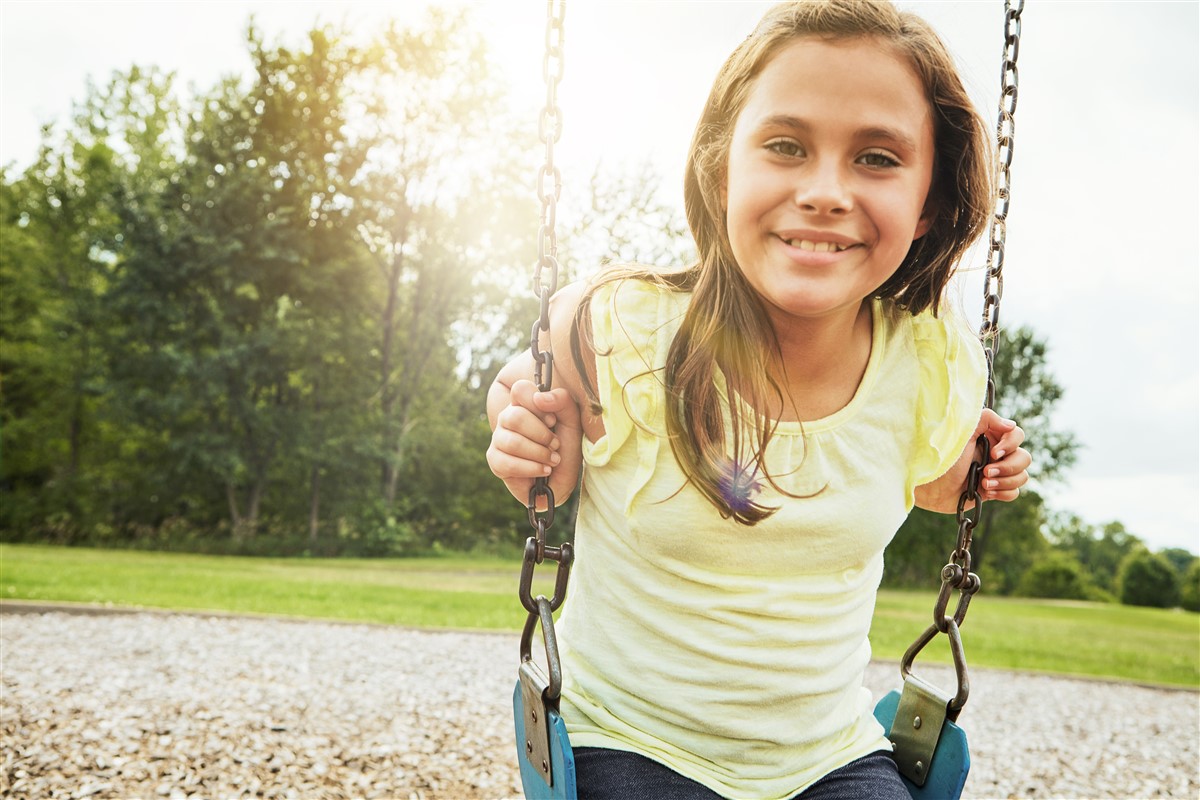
(947, 769)
(945, 779)
(562, 760)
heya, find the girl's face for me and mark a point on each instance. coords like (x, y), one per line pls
(830, 164)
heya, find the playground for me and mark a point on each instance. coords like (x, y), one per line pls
(153, 704)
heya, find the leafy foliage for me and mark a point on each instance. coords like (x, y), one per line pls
(1027, 391)
(1189, 587)
(1099, 551)
(242, 314)
(1056, 576)
(1148, 579)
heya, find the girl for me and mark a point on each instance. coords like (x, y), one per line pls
(757, 426)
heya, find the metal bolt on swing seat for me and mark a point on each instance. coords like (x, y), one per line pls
(916, 722)
(920, 767)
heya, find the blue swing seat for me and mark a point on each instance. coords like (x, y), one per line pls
(562, 760)
(946, 777)
(947, 773)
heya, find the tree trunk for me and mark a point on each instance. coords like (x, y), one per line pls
(245, 525)
(256, 493)
(314, 506)
(235, 514)
(392, 272)
(75, 432)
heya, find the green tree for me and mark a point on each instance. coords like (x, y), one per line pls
(447, 216)
(1179, 558)
(274, 308)
(227, 245)
(1147, 579)
(1055, 575)
(1189, 589)
(1027, 391)
(1099, 550)
(59, 228)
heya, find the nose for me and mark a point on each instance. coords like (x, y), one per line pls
(823, 189)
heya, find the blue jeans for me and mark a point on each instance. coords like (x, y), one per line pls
(603, 774)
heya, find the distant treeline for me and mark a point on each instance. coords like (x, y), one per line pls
(262, 319)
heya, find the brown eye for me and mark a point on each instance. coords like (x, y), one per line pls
(785, 147)
(877, 159)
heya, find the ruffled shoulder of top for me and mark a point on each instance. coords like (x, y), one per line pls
(952, 380)
(633, 324)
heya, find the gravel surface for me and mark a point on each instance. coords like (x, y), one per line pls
(156, 705)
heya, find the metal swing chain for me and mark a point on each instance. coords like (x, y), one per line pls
(545, 284)
(956, 574)
(545, 271)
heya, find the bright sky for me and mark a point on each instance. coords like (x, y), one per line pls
(1102, 235)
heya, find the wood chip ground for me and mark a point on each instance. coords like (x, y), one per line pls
(154, 705)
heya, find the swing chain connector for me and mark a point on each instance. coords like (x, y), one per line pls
(539, 694)
(535, 553)
(967, 584)
(923, 709)
(957, 574)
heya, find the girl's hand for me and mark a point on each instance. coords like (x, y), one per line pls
(538, 434)
(1002, 478)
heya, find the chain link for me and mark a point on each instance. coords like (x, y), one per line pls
(993, 289)
(957, 573)
(545, 272)
(541, 503)
(549, 132)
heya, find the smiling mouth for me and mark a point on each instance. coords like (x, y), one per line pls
(817, 247)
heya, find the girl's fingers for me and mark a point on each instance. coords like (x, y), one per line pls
(1003, 479)
(1008, 443)
(522, 447)
(519, 447)
(508, 467)
(527, 424)
(512, 457)
(1005, 484)
(1013, 463)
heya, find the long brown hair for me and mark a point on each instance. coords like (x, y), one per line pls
(725, 326)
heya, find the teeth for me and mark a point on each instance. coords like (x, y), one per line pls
(817, 247)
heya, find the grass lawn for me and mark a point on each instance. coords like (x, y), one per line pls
(1111, 641)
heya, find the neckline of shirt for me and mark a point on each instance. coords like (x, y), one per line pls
(846, 412)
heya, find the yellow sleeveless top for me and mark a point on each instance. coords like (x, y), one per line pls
(735, 655)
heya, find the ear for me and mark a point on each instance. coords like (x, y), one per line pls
(925, 222)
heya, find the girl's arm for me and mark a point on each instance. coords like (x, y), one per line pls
(1002, 478)
(539, 434)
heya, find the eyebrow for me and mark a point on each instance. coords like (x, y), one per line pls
(872, 132)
